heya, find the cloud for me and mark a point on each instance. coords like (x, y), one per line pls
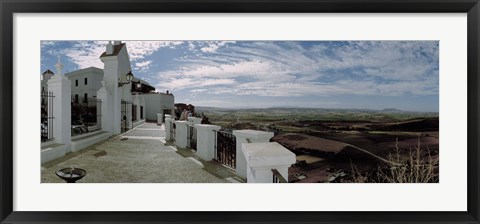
(212, 46)
(389, 68)
(140, 49)
(86, 53)
(184, 83)
(144, 65)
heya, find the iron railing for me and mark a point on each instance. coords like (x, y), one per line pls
(172, 130)
(46, 120)
(86, 115)
(192, 137)
(125, 124)
(226, 148)
(277, 177)
(134, 112)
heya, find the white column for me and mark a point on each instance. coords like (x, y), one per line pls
(263, 157)
(110, 76)
(168, 122)
(159, 118)
(106, 109)
(181, 133)
(195, 120)
(206, 141)
(61, 87)
(248, 136)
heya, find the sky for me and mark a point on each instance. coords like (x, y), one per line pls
(260, 74)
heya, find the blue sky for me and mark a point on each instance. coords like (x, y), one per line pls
(259, 74)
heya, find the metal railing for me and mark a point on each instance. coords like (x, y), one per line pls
(46, 118)
(134, 112)
(124, 122)
(277, 177)
(192, 137)
(226, 148)
(172, 130)
(86, 115)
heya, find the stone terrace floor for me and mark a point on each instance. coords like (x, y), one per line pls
(139, 156)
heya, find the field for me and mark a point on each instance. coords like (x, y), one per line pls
(337, 145)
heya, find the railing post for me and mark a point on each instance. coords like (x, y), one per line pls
(159, 118)
(60, 86)
(168, 124)
(181, 133)
(261, 158)
(206, 141)
(248, 136)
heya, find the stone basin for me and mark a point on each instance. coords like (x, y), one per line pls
(71, 174)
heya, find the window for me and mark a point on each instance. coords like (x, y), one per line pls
(76, 82)
(43, 89)
(76, 98)
(85, 98)
(85, 81)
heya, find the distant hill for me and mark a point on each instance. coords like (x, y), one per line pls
(286, 108)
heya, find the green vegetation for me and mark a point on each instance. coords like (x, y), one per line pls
(308, 114)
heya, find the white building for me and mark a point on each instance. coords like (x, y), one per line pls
(159, 103)
(85, 82)
(137, 100)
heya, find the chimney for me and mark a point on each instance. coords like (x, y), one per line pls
(117, 42)
(109, 48)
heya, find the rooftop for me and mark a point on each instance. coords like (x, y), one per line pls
(116, 50)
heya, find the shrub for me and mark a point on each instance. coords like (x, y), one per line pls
(411, 167)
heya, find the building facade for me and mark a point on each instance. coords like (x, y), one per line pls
(132, 102)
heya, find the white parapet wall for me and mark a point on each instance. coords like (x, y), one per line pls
(181, 133)
(261, 158)
(53, 151)
(83, 141)
(206, 141)
(195, 120)
(248, 136)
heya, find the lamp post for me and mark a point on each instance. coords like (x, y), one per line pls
(128, 77)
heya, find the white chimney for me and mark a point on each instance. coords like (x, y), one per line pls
(109, 48)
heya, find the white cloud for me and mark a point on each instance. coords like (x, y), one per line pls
(288, 69)
(140, 49)
(212, 46)
(144, 65)
(185, 83)
(86, 53)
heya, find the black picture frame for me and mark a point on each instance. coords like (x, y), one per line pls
(9, 7)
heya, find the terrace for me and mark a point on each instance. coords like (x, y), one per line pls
(139, 156)
(107, 136)
(145, 155)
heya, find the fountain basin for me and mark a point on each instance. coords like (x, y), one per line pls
(71, 174)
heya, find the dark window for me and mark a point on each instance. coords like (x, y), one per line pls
(85, 98)
(85, 81)
(141, 112)
(43, 89)
(76, 98)
(76, 82)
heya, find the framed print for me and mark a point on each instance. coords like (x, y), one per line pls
(263, 112)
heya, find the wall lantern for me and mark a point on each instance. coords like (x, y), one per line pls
(128, 77)
(139, 85)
